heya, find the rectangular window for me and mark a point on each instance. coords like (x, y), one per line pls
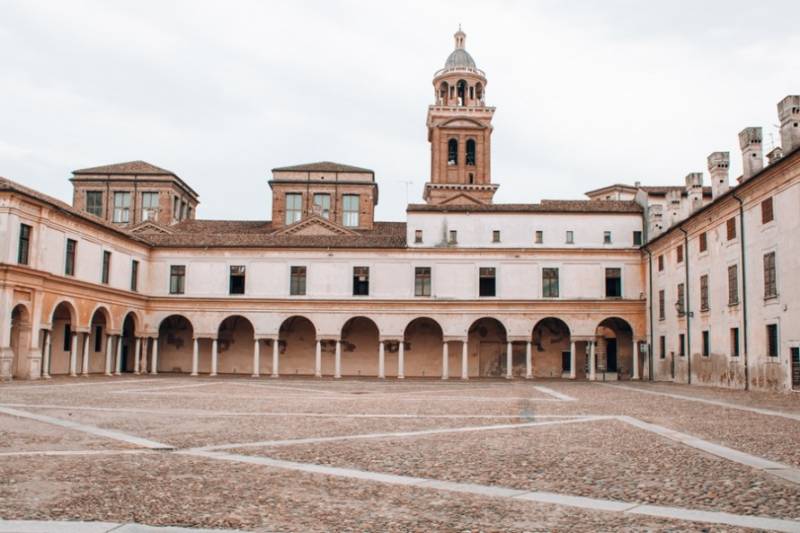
(294, 207)
(613, 283)
(539, 237)
(177, 279)
(322, 205)
(661, 305)
(703, 240)
(681, 300)
(149, 205)
(67, 344)
(486, 281)
(189, 212)
(24, 247)
(360, 281)
(69, 264)
(106, 267)
(422, 281)
(681, 344)
(550, 282)
(570, 237)
(418, 236)
(766, 211)
(122, 207)
(297, 281)
(731, 228)
(637, 238)
(735, 342)
(176, 207)
(134, 275)
(606, 237)
(706, 344)
(772, 340)
(236, 279)
(733, 285)
(350, 208)
(660, 263)
(770, 281)
(496, 235)
(704, 292)
(679, 253)
(183, 210)
(94, 203)
(662, 347)
(98, 338)
(453, 236)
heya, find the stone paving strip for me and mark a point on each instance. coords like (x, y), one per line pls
(53, 526)
(718, 403)
(158, 389)
(108, 433)
(33, 386)
(350, 397)
(556, 394)
(594, 504)
(52, 453)
(401, 434)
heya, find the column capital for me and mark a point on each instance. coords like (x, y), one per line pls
(455, 338)
(390, 338)
(520, 338)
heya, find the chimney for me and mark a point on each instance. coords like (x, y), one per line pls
(752, 152)
(694, 190)
(774, 154)
(789, 115)
(655, 224)
(674, 206)
(718, 164)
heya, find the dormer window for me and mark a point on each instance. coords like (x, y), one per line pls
(322, 205)
(294, 207)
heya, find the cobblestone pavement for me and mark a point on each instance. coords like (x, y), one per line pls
(413, 455)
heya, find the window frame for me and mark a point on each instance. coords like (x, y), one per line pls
(24, 244)
(105, 275)
(770, 276)
(495, 235)
(733, 284)
(773, 341)
(71, 257)
(291, 213)
(730, 228)
(237, 280)
(619, 282)
(551, 282)
(637, 237)
(607, 237)
(570, 236)
(662, 304)
(134, 275)
(682, 344)
(89, 205)
(704, 303)
(360, 287)
(735, 342)
(703, 242)
(661, 263)
(681, 301)
(417, 236)
(483, 273)
(298, 284)
(149, 212)
(767, 211)
(122, 212)
(177, 279)
(325, 212)
(679, 254)
(662, 347)
(538, 237)
(706, 343)
(423, 281)
(348, 214)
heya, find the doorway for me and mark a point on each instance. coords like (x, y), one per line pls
(611, 355)
(795, 352)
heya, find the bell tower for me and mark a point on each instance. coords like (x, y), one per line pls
(459, 130)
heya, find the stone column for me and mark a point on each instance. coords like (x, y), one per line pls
(528, 361)
(573, 355)
(73, 355)
(136, 355)
(85, 361)
(109, 353)
(256, 358)
(213, 357)
(401, 360)
(381, 360)
(154, 358)
(195, 355)
(509, 360)
(337, 371)
(276, 348)
(445, 360)
(318, 359)
(118, 367)
(145, 350)
(48, 342)
(635, 352)
(464, 361)
(592, 361)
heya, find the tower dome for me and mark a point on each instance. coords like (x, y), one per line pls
(459, 58)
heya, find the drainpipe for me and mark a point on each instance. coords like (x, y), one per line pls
(650, 312)
(686, 309)
(744, 292)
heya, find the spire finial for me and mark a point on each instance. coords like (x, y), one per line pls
(460, 37)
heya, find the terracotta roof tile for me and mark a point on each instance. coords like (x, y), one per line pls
(130, 167)
(546, 206)
(323, 166)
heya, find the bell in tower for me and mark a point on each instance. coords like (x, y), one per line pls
(459, 130)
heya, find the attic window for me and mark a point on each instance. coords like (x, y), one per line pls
(418, 236)
(496, 235)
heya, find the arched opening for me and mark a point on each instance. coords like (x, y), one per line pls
(443, 90)
(452, 152)
(128, 354)
(479, 92)
(20, 340)
(235, 346)
(98, 337)
(550, 348)
(461, 91)
(423, 348)
(175, 335)
(63, 327)
(487, 348)
(470, 152)
(360, 348)
(297, 347)
(614, 349)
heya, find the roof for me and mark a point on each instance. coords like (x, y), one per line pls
(138, 168)
(546, 206)
(323, 166)
(657, 190)
(459, 58)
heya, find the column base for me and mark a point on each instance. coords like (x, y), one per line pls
(109, 374)
(195, 374)
(317, 375)
(213, 374)
(401, 377)
(255, 375)
(47, 376)
(274, 376)
(445, 378)
(529, 376)
(73, 375)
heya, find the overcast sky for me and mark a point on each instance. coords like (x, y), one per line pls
(587, 93)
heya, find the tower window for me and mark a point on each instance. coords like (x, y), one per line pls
(122, 207)
(443, 92)
(452, 152)
(350, 207)
(462, 92)
(94, 203)
(471, 152)
(294, 207)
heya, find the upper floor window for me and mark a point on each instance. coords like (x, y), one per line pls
(496, 235)
(177, 279)
(453, 237)
(470, 152)
(704, 292)
(731, 228)
(681, 303)
(134, 275)
(69, 263)
(237, 279)
(660, 263)
(360, 281)
(184, 207)
(294, 207)
(613, 283)
(550, 283)
(176, 208)
(350, 208)
(637, 238)
(766, 211)
(487, 284)
(106, 267)
(606, 237)
(703, 242)
(149, 205)
(418, 236)
(94, 203)
(122, 207)
(24, 248)
(570, 237)
(733, 285)
(297, 281)
(452, 152)
(538, 237)
(322, 204)
(772, 340)
(661, 305)
(422, 281)
(679, 253)
(770, 281)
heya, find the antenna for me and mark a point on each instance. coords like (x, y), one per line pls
(407, 183)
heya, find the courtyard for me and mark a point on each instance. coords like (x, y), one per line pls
(397, 455)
